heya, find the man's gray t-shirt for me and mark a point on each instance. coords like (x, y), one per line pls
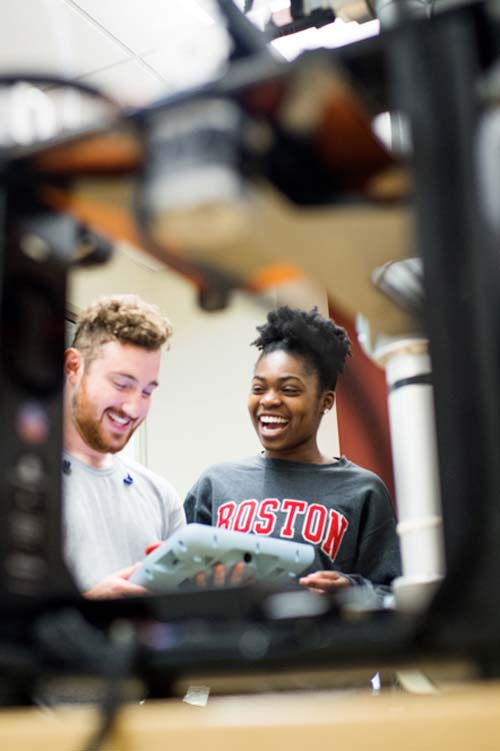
(111, 515)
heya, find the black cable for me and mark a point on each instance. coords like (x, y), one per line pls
(297, 9)
(247, 39)
(120, 659)
(75, 644)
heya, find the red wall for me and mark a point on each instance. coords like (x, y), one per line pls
(362, 409)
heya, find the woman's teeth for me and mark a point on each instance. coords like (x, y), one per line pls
(270, 420)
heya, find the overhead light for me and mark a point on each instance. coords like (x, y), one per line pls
(335, 34)
(341, 32)
(292, 45)
(279, 4)
(381, 125)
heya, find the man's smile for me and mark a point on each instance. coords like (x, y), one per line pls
(119, 422)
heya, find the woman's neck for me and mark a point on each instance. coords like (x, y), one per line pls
(311, 455)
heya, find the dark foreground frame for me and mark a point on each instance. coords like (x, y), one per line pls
(430, 70)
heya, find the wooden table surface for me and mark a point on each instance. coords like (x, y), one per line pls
(464, 716)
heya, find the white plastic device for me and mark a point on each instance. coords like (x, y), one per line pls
(197, 547)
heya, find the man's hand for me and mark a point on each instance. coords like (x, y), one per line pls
(116, 585)
(325, 581)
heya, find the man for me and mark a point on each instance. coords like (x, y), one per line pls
(113, 508)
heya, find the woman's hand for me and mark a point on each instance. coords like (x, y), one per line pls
(222, 577)
(325, 581)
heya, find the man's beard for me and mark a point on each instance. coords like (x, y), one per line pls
(91, 429)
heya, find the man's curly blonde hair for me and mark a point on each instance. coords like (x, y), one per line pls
(123, 318)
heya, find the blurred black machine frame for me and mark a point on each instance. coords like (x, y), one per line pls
(431, 71)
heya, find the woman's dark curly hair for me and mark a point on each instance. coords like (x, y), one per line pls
(319, 341)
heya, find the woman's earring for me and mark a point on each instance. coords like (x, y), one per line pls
(326, 411)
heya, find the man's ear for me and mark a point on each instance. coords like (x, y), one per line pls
(73, 363)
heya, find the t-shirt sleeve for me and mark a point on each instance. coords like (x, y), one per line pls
(379, 557)
(198, 503)
(175, 518)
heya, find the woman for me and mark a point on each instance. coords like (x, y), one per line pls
(292, 490)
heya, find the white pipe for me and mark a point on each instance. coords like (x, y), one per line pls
(413, 439)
